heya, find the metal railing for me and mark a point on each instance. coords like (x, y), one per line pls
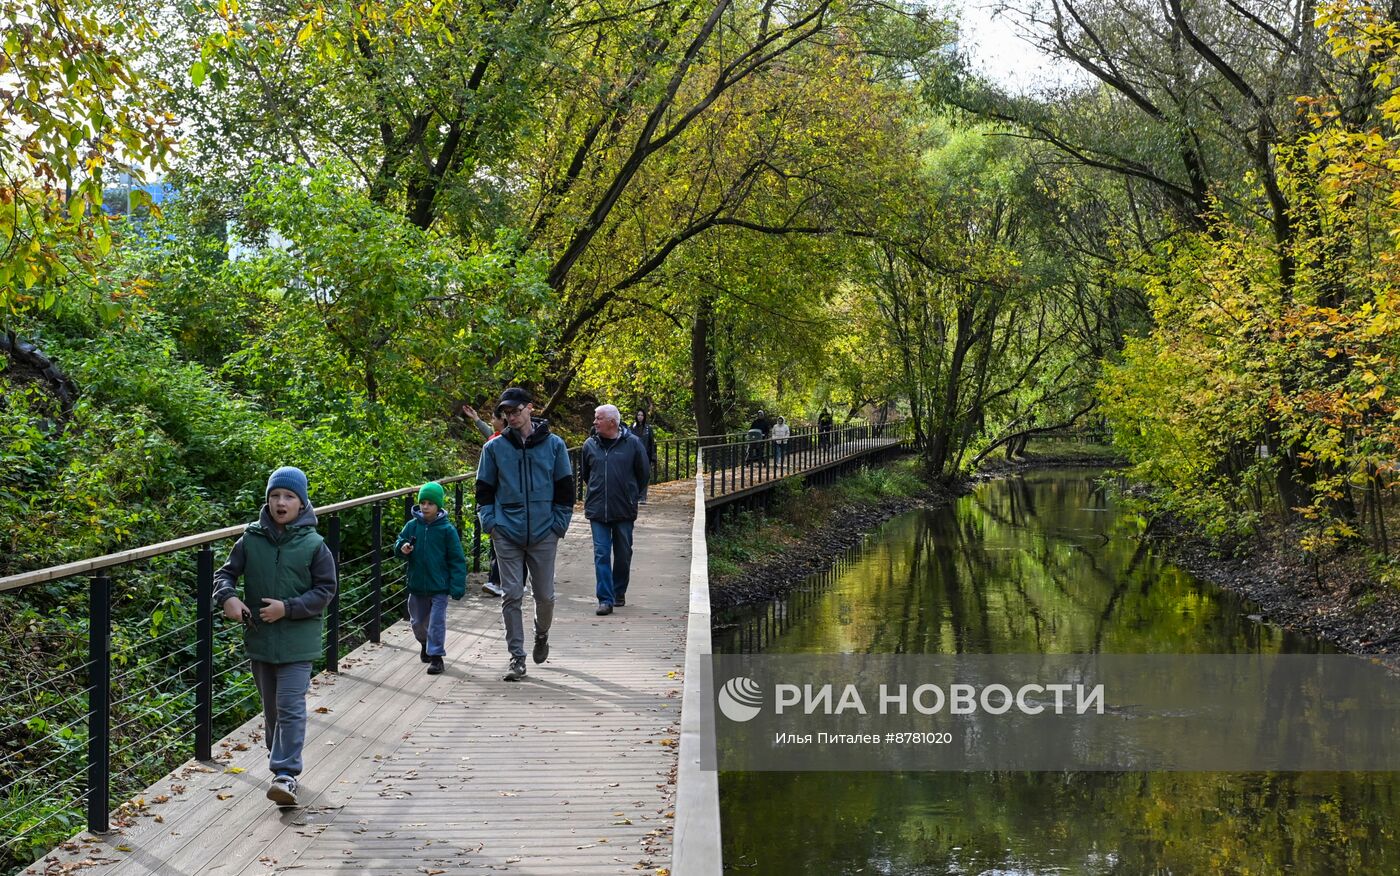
(745, 463)
(160, 677)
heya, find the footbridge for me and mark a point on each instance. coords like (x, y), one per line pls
(142, 751)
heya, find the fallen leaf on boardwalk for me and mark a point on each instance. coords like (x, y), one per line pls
(431, 872)
(589, 846)
(512, 860)
(670, 815)
(123, 848)
(177, 789)
(663, 872)
(671, 674)
(667, 741)
(160, 819)
(322, 710)
(242, 746)
(160, 798)
(224, 796)
(235, 770)
(614, 784)
(623, 821)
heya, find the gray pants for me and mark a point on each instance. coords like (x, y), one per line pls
(513, 560)
(283, 688)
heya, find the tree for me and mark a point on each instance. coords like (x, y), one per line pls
(72, 109)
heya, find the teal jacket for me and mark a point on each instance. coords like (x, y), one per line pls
(525, 487)
(293, 565)
(437, 564)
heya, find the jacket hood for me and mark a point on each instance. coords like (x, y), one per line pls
(442, 517)
(622, 433)
(538, 434)
(307, 517)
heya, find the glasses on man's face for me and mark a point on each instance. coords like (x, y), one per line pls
(510, 412)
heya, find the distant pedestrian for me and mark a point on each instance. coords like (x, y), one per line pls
(824, 427)
(781, 433)
(614, 465)
(525, 498)
(437, 568)
(490, 431)
(647, 435)
(289, 576)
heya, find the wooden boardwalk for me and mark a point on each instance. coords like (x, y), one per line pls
(571, 771)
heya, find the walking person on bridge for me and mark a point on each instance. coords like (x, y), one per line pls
(641, 427)
(289, 574)
(437, 568)
(525, 499)
(781, 433)
(614, 465)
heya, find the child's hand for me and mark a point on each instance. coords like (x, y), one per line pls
(406, 549)
(272, 610)
(234, 608)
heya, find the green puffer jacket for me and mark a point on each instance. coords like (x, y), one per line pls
(293, 565)
(437, 564)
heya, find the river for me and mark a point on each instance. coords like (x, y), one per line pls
(1045, 562)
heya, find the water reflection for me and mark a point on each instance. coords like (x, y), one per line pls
(1042, 563)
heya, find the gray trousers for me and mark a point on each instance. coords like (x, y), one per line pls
(513, 560)
(283, 687)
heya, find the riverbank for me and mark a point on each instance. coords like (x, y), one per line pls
(1341, 601)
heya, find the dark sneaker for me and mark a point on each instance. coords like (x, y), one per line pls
(283, 791)
(620, 600)
(423, 652)
(435, 665)
(541, 652)
(517, 669)
(604, 608)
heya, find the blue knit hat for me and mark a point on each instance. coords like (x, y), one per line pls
(289, 478)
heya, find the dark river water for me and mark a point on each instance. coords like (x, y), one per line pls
(1040, 563)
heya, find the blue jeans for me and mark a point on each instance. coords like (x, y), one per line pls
(282, 687)
(612, 558)
(427, 613)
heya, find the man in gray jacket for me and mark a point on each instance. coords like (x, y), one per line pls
(525, 498)
(614, 465)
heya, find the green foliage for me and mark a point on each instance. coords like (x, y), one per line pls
(76, 109)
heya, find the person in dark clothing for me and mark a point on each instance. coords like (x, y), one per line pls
(758, 431)
(647, 435)
(437, 568)
(824, 427)
(614, 465)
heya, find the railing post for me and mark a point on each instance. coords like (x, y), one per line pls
(204, 651)
(408, 508)
(376, 580)
(457, 497)
(99, 701)
(333, 634)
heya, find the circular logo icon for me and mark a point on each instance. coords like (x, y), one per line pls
(740, 699)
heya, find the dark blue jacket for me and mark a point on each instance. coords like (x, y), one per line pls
(616, 472)
(525, 487)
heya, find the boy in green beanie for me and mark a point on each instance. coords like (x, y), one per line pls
(289, 578)
(437, 568)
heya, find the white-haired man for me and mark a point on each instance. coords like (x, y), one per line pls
(615, 467)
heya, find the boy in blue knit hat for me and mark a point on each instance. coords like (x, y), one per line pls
(437, 568)
(289, 578)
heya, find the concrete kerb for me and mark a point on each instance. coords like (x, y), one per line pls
(696, 848)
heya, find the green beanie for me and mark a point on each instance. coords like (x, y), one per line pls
(432, 492)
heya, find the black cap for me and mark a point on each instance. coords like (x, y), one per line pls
(514, 397)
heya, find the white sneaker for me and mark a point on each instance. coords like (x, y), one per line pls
(493, 589)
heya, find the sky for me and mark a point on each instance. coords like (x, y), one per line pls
(996, 49)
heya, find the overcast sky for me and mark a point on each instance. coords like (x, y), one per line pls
(996, 50)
